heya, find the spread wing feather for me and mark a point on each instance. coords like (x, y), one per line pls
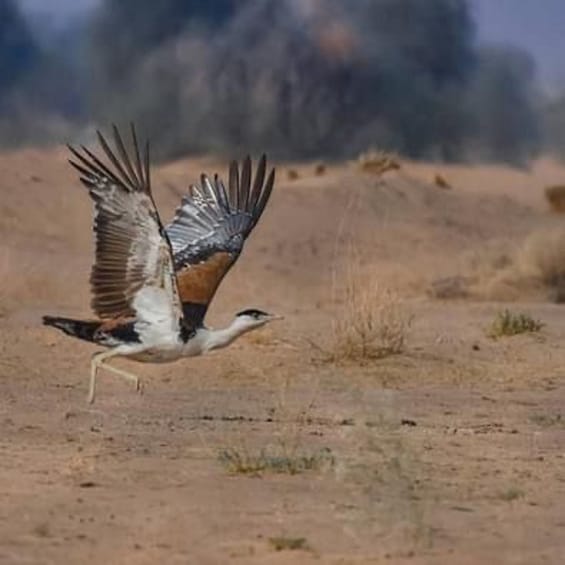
(209, 229)
(133, 274)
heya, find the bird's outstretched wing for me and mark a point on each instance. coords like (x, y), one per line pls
(210, 228)
(133, 273)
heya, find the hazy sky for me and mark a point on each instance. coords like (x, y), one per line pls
(62, 8)
(536, 25)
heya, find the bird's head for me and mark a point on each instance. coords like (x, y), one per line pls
(250, 319)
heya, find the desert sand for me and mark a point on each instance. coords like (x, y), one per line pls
(451, 451)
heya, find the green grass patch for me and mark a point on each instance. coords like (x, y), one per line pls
(507, 323)
(288, 544)
(242, 461)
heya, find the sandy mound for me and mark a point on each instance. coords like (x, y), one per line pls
(413, 229)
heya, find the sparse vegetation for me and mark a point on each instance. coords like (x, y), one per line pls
(388, 464)
(542, 259)
(320, 169)
(555, 196)
(548, 420)
(536, 268)
(441, 182)
(292, 174)
(372, 321)
(510, 494)
(289, 544)
(285, 453)
(247, 462)
(507, 323)
(377, 162)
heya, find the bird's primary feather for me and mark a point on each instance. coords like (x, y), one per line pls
(133, 274)
(164, 278)
(210, 228)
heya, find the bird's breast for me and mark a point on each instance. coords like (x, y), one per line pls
(168, 352)
(157, 355)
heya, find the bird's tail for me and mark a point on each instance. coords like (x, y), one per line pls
(77, 328)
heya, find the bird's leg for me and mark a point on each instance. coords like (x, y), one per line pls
(93, 371)
(129, 376)
(99, 361)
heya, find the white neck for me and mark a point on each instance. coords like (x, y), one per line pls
(217, 339)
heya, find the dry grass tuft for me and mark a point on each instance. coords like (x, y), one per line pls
(441, 182)
(535, 269)
(288, 544)
(244, 461)
(320, 169)
(372, 321)
(292, 174)
(285, 452)
(378, 162)
(548, 420)
(507, 323)
(542, 258)
(510, 494)
(555, 196)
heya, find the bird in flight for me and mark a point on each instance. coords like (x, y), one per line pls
(152, 284)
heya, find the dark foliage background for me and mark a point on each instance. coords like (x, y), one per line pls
(298, 78)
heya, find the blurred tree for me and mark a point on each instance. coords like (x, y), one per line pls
(124, 33)
(18, 51)
(310, 78)
(38, 88)
(554, 126)
(301, 79)
(504, 104)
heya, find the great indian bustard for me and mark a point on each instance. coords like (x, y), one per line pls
(152, 285)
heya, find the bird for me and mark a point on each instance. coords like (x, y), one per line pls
(152, 284)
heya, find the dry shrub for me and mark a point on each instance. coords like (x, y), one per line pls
(555, 195)
(378, 162)
(283, 543)
(441, 182)
(542, 260)
(535, 269)
(242, 460)
(292, 174)
(372, 321)
(320, 169)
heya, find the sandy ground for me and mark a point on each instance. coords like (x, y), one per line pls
(450, 452)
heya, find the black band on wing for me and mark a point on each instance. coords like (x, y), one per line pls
(209, 230)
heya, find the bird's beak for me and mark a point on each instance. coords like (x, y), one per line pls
(276, 317)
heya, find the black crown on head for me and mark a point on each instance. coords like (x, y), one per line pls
(253, 313)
